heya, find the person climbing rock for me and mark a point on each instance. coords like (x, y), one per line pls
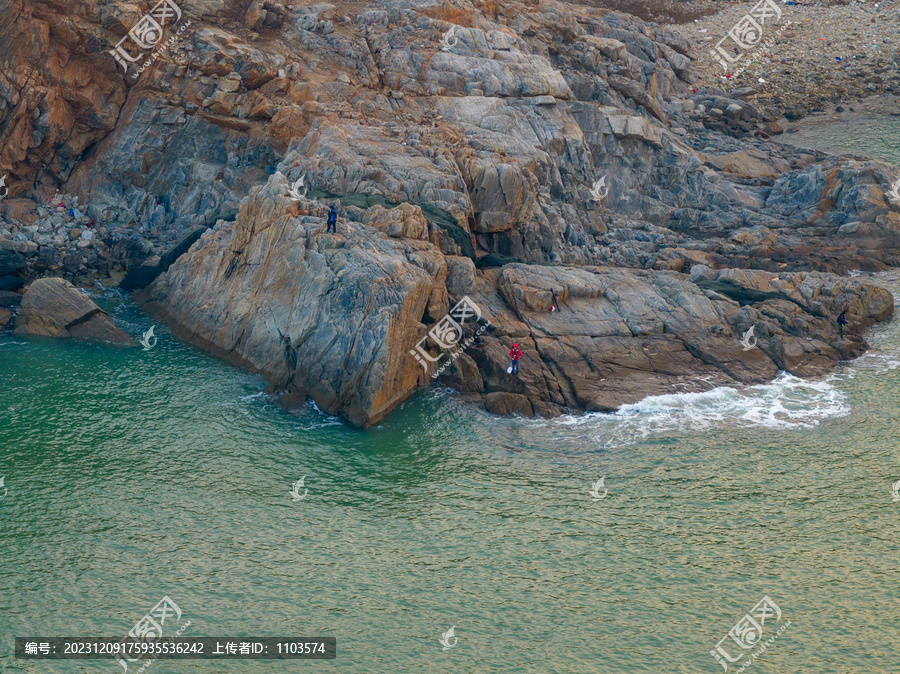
(514, 354)
(332, 220)
(842, 321)
(555, 305)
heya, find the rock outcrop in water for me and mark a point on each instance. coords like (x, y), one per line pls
(502, 151)
(620, 334)
(53, 307)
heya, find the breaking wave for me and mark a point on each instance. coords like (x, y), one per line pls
(786, 402)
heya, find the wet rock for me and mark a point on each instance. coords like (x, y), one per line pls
(11, 262)
(9, 299)
(508, 404)
(143, 275)
(11, 283)
(622, 335)
(557, 138)
(53, 307)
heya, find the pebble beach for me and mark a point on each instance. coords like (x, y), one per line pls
(825, 55)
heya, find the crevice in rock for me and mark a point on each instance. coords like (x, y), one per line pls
(85, 318)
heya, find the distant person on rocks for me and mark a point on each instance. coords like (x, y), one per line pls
(514, 354)
(332, 220)
(842, 321)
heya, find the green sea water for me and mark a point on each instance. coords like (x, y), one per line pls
(131, 475)
(869, 131)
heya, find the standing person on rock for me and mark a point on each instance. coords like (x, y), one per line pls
(332, 220)
(514, 354)
(842, 322)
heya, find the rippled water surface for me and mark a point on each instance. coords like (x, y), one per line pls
(132, 475)
(868, 132)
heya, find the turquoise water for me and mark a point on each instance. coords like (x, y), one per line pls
(134, 475)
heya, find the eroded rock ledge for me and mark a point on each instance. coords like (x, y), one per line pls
(621, 335)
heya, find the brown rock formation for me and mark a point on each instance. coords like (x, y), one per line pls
(52, 307)
(330, 316)
(504, 151)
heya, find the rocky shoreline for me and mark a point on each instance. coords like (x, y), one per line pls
(520, 158)
(830, 54)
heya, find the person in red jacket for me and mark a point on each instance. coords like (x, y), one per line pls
(514, 354)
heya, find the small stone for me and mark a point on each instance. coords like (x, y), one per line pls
(230, 84)
(733, 111)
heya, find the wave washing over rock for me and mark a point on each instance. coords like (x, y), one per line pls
(527, 156)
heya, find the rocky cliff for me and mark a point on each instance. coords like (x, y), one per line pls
(510, 152)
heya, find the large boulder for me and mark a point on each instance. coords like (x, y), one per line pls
(331, 317)
(53, 307)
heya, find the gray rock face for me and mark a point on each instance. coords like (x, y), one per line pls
(53, 307)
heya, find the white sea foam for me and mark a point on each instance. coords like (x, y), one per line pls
(12, 343)
(324, 419)
(254, 396)
(786, 402)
